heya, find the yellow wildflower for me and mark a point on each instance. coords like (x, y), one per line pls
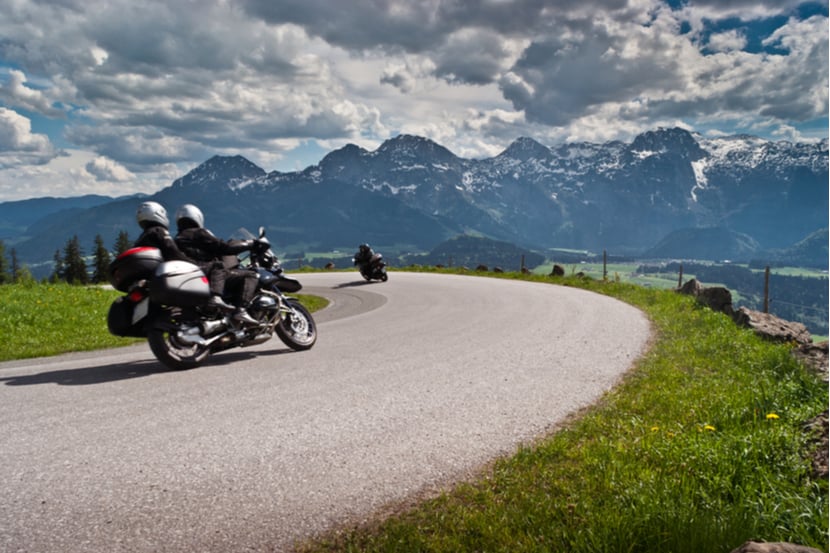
(709, 427)
(771, 416)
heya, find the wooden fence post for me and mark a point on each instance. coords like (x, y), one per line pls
(604, 265)
(766, 290)
(680, 278)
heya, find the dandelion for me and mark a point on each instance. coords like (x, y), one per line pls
(709, 427)
(655, 428)
(772, 416)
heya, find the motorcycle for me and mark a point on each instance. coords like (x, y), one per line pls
(166, 302)
(374, 269)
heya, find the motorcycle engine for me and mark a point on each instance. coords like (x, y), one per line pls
(263, 305)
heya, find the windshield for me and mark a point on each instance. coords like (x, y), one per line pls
(242, 234)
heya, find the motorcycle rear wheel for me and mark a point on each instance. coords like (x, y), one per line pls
(297, 329)
(174, 353)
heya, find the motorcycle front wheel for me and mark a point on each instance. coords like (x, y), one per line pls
(297, 328)
(173, 350)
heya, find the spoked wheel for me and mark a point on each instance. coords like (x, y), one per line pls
(297, 328)
(177, 349)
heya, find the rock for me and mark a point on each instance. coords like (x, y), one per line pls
(498, 270)
(818, 444)
(717, 298)
(329, 265)
(558, 270)
(771, 327)
(691, 288)
(753, 546)
(814, 356)
(482, 268)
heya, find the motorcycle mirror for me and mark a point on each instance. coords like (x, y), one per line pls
(261, 232)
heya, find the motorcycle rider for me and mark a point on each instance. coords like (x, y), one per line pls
(363, 258)
(202, 245)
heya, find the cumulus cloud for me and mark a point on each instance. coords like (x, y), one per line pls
(19, 145)
(105, 169)
(15, 92)
(727, 41)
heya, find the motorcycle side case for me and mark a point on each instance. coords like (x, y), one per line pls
(120, 319)
(179, 283)
(132, 265)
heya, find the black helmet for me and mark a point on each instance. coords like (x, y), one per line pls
(150, 214)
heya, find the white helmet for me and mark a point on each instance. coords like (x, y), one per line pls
(190, 215)
(151, 213)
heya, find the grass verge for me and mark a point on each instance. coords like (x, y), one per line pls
(38, 320)
(700, 448)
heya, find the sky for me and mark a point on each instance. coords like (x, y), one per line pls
(115, 97)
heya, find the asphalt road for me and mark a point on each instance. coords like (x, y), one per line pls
(413, 384)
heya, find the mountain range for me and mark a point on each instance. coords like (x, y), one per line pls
(666, 191)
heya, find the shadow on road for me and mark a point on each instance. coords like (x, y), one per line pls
(88, 375)
(121, 371)
(355, 283)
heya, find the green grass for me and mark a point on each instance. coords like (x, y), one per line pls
(700, 448)
(38, 320)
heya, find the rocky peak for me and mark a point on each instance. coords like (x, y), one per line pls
(524, 149)
(220, 171)
(348, 154)
(677, 141)
(406, 147)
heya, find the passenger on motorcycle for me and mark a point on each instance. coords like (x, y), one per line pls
(152, 218)
(202, 245)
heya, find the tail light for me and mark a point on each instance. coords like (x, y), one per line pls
(136, 295)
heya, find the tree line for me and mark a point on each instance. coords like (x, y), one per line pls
(69, 264)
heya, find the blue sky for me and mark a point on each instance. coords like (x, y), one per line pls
(116, 97)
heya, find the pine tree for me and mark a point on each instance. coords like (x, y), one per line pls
(73, 259)
(15, 266)
(102, 261)
(58, 268)
(123, 243)
(5, 277)
(21, 273)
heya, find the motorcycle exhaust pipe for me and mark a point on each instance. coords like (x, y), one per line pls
(212, 327)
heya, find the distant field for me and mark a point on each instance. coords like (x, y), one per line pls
(797, 301)
(622, 272)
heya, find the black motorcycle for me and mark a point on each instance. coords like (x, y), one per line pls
(166, 302)
(373, 269)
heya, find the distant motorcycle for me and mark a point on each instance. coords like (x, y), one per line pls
(166, 302)
(371, 265)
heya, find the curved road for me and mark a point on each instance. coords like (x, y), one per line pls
(413, 383)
